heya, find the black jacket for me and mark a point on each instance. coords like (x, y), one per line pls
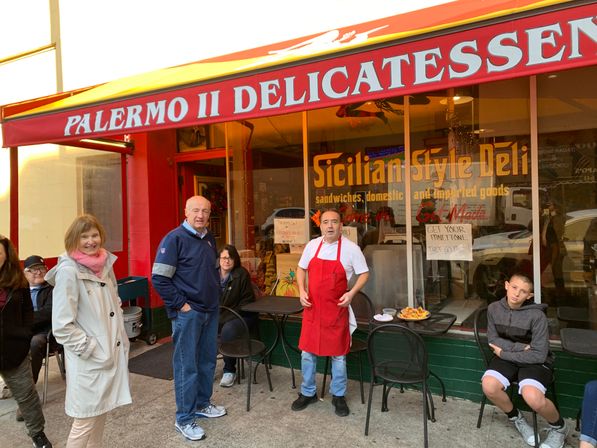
(42, 318)
(16, 320)
(237, 292)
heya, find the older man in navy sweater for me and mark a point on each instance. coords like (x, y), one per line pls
(185, 276)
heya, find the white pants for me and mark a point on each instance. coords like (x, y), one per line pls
(87, 432)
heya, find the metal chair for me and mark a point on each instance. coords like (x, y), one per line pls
(364, 311)
(56, 350)
(404, 363)
(245, 348)
(480, 329)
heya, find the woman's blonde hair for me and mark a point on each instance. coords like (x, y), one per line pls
(80, 225)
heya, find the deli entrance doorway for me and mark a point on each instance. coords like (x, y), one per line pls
(204, 173)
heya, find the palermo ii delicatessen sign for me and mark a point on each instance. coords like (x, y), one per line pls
(242, 89)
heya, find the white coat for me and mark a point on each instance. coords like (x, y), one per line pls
(87, 320)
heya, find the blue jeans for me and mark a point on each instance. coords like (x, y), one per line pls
(194, 334)
(231, 330)
(309, 369)
(588, 430)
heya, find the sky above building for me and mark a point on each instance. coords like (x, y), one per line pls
(110, 39)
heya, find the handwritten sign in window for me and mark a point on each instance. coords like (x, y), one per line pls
(449, 242)
(290, 231)
(350, 233)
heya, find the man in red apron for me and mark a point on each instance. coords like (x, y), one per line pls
(329, 262)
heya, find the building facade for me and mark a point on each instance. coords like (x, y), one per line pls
(459, 151)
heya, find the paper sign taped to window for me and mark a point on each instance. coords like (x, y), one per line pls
(449, 242)
(297, 248)
(350, 233)
(290, 231)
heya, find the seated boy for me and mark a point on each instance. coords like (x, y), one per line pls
(518, 334)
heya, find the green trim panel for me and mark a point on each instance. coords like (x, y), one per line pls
(454, 358)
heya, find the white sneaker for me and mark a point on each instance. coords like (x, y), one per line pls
(525, 430)
(5, 393)
(191, 431)
(556, 437)
(228, 379)
(211, 411)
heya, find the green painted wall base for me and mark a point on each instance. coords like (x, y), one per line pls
(455, 359)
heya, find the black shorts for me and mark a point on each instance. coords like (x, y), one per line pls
(540, 373)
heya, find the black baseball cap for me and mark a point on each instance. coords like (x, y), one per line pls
(34, 260)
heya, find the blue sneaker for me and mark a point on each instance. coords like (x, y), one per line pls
(211, 411)
(191, 431)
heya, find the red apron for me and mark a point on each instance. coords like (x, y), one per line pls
(324, 331)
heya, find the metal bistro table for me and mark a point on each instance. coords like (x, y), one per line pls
(435, 325)
(576, 316)
(278, 308)
(579, 342)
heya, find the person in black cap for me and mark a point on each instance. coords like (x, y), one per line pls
(41, 297)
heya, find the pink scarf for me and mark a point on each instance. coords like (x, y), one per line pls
(95, 263)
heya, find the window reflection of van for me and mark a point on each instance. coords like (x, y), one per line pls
(517, 205)
(495, 256)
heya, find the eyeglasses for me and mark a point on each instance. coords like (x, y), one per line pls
(36, 270)
(225, 258)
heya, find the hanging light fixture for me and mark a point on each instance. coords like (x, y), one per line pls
(461, 95)
(457, 99)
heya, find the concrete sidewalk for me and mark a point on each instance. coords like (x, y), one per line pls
(149, 421)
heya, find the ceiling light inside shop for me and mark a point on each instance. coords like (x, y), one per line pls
(457, 99)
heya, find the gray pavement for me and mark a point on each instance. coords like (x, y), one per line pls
(149, 421)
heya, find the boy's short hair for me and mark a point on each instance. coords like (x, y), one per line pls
(525, 278)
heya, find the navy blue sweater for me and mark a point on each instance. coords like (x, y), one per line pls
(185, 272)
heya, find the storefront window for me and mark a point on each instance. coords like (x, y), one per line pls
(5, 192)
(198, 138)
(28, 77)
(56, 184)
(470, 193)
(356, 165)
(567, 117)
(266, 183)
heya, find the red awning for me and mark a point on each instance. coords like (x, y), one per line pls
(449, 45)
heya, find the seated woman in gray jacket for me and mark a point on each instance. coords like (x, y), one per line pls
(237, 290)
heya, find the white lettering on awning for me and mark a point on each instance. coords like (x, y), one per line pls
(474, 56)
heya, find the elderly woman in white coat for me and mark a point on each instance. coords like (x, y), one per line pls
(87, 320)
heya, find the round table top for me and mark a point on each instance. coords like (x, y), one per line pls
(579, 341)
(277, 305)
